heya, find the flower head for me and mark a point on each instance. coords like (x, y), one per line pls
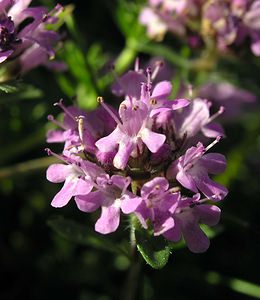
(23, 34)
(146, 158)
(228, 24)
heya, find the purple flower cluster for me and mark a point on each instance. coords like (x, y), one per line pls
(149, 158)
(228, 23)
(24, 38)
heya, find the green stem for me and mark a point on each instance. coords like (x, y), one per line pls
(125, 58)
(157, 49)
(28, 166)
(130, 287)
(131, 284)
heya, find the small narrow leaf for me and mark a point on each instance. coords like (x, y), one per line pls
(8, 88)
(155, 250)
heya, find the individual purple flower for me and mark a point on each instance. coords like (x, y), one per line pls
(196, 118)
(78, 177)
(24, 39)
(112, 196)
(132, 132)
(157, 199)
(79, 129)
(191, 171)
(187, 216)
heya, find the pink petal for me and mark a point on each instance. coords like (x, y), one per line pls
(5, 55)
(64, 195)
(55, 136)
(215, 163)
(162, 90)
(210, 188)
(152, 140)
(110, 142)
(187, 181)
(174, 234)
(124, 151)
(164, 226)
(89, 202)
(128, 204)
(213, 130)
(179, 103)
(109, 220)
(208, 214)
(152, 185)
(195, 238)
(58, 172)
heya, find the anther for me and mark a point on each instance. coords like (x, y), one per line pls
(153, 101)
(80, 120)
(100, 100)
(123, 106)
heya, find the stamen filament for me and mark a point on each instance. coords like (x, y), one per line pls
(218, 113)
(64, 108)
(60, 157)
(218, 138)
(137, 64)
(59, 124)
(100, 100)
(157, 68)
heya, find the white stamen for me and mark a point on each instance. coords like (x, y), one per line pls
(149, 79)
(157, 68)
(190, 90)
(137, 66)
(218, 138)
(80, 120)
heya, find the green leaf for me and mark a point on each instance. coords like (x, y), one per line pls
(8, 88)
(82, 235)
(155, 250)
